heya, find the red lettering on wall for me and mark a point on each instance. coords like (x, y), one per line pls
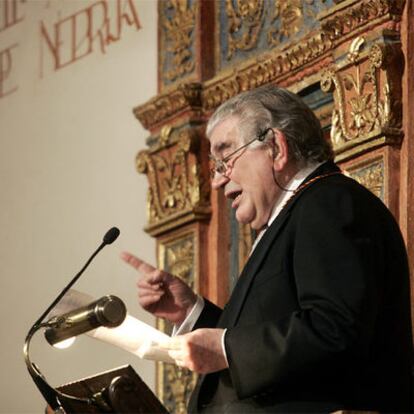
(6, 65)
(9, 13)
(97, 26)
(94, 27)
(130, 16)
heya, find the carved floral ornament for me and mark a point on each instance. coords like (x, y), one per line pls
(344, 19)
(178, 384)
(367, 102)
(179, 257)
(175, 384)
(177, 186)
(271, 69)
(178, 25)
(246, 21)
(186, 96)
(245, 17)
(371, 176)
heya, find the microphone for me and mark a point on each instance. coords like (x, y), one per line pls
(50, 394)
(111, 235)
(108, 311)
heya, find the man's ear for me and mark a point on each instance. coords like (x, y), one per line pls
(281, 151)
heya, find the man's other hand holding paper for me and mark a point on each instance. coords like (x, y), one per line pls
(200, 351)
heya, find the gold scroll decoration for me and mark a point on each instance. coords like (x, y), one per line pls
(178, 186)
(371, 176)
(184, 97)
(175, 384)
(245, 17)
(247, 21)
(367, 98)
(341, 21)
(291, 14)
(178, 25)
(277, 68)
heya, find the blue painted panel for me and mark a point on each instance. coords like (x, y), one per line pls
(268, 24)
(178, 30)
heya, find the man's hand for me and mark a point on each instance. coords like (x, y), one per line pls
(160, 293)
(200, 351)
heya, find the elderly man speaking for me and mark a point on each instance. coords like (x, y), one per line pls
(319, 319)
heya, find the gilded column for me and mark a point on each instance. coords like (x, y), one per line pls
(176, 162)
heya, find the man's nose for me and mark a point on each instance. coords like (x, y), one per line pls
(218, 181)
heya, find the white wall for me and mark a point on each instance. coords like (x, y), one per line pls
(67, 174)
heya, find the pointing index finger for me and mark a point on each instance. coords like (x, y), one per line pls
(137, 263)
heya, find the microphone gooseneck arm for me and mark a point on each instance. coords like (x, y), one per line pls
(110, 236)
(49, 393)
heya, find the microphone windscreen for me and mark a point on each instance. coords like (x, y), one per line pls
(111, 235)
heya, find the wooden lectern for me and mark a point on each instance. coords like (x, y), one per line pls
(117, 391)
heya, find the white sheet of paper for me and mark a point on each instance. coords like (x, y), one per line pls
(136, 337)
(132, 335)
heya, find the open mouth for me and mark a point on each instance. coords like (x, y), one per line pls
(236, 200)
(235, 196)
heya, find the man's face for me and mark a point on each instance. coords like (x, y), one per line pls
(249, 179)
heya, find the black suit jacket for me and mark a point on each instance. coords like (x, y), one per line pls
(320, 317)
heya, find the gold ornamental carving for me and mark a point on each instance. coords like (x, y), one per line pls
(185, 97)
(178, 258)
(178, 188)
(178, 25)
(371, 176)
(270, 69)
(367, 102)
(175, 384)
(341, 21)
(247, 22)
(178, 384)
(290, 14)
(246, 17)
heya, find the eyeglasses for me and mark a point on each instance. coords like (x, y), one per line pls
(221, 166)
